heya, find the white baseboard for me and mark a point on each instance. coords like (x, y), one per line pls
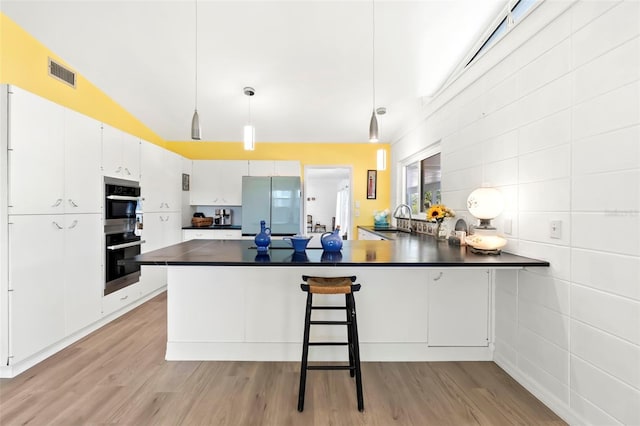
(559, 407)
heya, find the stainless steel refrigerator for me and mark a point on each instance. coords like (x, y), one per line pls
(274, 199)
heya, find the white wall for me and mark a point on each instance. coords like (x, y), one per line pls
(551, 116)
(325, 191)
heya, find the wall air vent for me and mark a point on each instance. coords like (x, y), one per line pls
(61, 73)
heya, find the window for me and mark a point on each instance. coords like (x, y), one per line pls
(422, 183)
(517, 12)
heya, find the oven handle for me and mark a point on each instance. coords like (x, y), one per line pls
(122, 198)
(125, 245)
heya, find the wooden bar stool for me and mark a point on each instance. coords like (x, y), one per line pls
(334, 285)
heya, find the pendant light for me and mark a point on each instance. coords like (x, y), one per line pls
(373, 124)
(195, 121)
(249, 130)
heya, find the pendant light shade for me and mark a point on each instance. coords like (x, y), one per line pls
(249, 138)
(373, 127)
(249, 130)
(381, 159)
(195, 126)
(195, 121)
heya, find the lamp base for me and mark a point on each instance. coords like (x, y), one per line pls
(493, 252)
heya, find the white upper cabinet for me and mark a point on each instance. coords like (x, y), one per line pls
(82, 164)
(273, 168)
(120, 154)
(286, 168)
(36, 154)
(261, 168)
(217, 182)
(160, 179)
(54, 166)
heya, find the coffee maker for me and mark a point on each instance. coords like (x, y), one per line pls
(224, 216)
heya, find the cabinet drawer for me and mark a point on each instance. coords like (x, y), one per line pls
(211, 234)
(119, 299)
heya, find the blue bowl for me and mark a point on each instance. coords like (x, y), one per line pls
(298, 242)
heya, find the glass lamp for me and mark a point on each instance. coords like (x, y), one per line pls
(485, 204)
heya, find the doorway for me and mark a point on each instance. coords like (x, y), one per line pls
(327, 200)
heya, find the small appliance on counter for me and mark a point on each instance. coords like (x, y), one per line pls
(222, 217)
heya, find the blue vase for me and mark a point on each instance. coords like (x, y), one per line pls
(331, 241)
(263, 238)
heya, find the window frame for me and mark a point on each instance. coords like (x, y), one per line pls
(431, 150)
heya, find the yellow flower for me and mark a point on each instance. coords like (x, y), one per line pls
(438, 212)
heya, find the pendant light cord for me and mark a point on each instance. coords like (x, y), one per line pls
(196, 81)
(373, 51)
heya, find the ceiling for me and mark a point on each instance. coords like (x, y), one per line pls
(310, 62)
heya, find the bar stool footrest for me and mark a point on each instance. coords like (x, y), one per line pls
(328, 343)
(330, 322)
(330, 367)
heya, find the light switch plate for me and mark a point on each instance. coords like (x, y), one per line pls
(555, 229)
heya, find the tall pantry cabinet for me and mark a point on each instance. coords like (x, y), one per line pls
(53, 217)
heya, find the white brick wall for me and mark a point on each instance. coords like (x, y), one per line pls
(551, 116)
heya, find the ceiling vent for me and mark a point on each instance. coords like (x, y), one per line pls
(61, 73)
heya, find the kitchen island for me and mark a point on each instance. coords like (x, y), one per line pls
(421, 300)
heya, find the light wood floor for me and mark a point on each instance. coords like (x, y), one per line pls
(118, 375)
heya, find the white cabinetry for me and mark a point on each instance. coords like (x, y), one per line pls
(55, 283)
(161, 187)
(273, 168)
(458, 307)
(160, 230)
(54, 165)
(217, 182)
(211, 234)
(120, 154)
(161, 179)
(366, 235)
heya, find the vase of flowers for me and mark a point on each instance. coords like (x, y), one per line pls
(437, 213)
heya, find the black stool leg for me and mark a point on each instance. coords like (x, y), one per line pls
(305, 353)
(356, 350)
(349, 338)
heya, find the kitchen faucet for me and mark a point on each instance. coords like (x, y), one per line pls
(408, 209)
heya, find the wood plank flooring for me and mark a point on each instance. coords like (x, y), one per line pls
(118, 375)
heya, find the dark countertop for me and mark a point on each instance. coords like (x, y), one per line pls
(214, 227)
(409, 251)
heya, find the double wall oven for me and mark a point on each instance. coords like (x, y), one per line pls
(122, 201)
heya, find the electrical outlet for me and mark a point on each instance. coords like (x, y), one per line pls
(508, 226)
(555, 229)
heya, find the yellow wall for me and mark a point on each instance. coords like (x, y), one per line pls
(361, 157)
(23, 62)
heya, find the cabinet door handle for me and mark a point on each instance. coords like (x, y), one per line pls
(438, 277)
(72, 203)
(57, 225)
(127, 170)
(119, 169)
(73, 225)
(125, 297)
(167, 205)
(57, 203)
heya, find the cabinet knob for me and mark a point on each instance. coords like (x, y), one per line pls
(57, 203)
(72, 203)
(57, 225)
(438, 277)
(73, 225)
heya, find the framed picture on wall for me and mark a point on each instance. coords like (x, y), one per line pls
(372, 181)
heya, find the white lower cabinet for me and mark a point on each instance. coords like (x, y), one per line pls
(458, 306)
(121, 298)
(160, 230)
(211, 234)
(54, 279)
(366, 235)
